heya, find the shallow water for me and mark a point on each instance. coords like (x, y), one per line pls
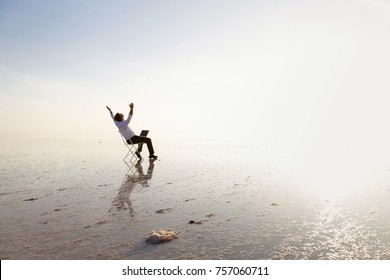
(78, 200)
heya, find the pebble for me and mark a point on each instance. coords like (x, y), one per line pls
(162, 235)
(195, 222)
(163, 211)
(31, 199)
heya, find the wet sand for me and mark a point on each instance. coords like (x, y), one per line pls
(78, 200)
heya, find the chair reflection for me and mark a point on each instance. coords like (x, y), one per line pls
(122, 200)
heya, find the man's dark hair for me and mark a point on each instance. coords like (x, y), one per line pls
(118, 117)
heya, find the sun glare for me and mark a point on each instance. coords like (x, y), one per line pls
(338, 174)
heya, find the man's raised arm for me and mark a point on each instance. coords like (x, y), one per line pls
(109, 109)
(131, 108)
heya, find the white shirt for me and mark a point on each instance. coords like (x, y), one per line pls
(124, 128)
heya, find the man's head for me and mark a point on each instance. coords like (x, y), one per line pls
(118, 117)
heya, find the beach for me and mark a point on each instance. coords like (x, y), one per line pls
(76, 199)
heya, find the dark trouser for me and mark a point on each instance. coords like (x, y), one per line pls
(140, 140)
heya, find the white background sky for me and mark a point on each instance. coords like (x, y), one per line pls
(286, 71)
(308, 80)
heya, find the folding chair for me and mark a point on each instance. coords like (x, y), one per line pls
(130, 158)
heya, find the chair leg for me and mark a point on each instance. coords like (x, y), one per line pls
(130, 158)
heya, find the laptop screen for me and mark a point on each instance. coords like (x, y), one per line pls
(144, 133)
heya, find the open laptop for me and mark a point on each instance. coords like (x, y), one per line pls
(144, 133)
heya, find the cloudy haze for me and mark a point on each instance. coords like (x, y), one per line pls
(286, 72)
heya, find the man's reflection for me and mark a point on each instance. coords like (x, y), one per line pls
(130, 180)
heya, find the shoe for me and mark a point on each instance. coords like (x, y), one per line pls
(138, 155)
(153, 157)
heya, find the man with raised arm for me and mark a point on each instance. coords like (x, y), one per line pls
(129, 135)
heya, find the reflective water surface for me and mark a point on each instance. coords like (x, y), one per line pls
(78, 200)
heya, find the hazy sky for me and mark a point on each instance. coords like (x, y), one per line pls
(288, 72)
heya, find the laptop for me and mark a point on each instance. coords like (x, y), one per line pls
(144, 133)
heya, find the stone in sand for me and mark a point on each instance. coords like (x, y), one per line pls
(195, 222)
(31, 199)
(163, 211)
(162, 235)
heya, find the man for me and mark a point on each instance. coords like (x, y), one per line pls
(128, 133)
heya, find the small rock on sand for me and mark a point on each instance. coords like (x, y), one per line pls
(159, 236)
(31, 199)
(163, 211)
(102, 222)
(274, 204)
(195, 222)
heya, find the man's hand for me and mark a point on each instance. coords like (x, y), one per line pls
(108, 108)
(131, 105)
